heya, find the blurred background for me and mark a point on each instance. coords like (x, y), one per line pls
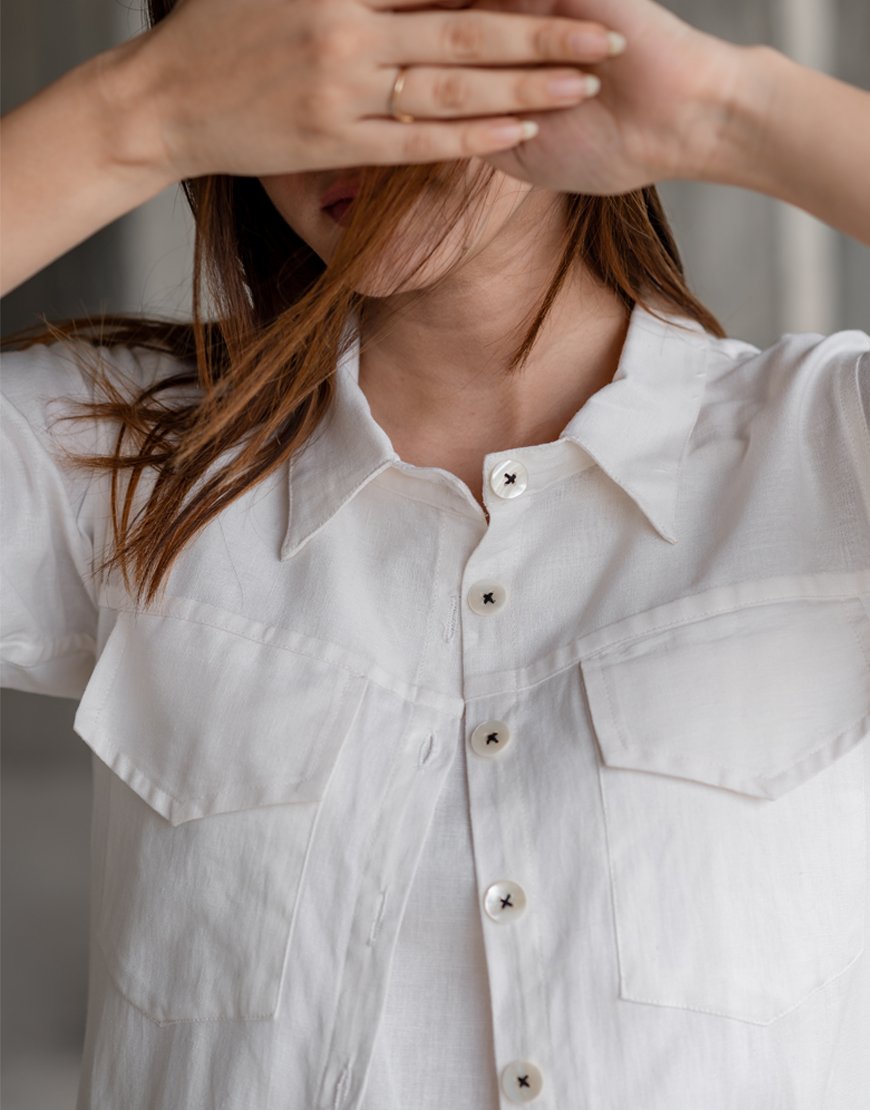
(762, 267)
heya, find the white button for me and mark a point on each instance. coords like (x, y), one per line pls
(521, 1081)
(490, 738)
(504, 900)
(487, 597)
(509, 479)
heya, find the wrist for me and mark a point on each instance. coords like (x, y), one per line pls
(122, 92)
(741, 106)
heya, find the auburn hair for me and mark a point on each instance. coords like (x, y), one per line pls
(263, 369)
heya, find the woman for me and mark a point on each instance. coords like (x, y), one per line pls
(475, 642)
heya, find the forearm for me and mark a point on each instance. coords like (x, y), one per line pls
(71, 164)
(798, 135)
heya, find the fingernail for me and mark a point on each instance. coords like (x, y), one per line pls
(593, 84)
(569, 86)
(514, 132)
(616, 42)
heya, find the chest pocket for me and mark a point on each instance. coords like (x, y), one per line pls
(733, 783)
(221, 743)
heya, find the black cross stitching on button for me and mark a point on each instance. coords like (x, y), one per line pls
(492, 738)
(505, 902)
(488, 599)
(510, 479)
(523, 1080)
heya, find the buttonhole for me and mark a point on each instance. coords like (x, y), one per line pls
(379, 916)
(426, 749)
(450, 626)
(341, 1088)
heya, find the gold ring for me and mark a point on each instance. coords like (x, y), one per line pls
(398, 85)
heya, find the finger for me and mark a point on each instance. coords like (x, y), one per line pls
(449, 92)
(384, 5)
(496, 38)
(389, 143)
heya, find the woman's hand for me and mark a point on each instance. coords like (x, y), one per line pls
(659, 114)
(679, 103)
(261, 87)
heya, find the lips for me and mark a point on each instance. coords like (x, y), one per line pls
(343, 189)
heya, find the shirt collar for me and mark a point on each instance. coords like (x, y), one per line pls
(635, 428)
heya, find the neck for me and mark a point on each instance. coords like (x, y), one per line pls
(436, 377)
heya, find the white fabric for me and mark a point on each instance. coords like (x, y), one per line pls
(293, 837)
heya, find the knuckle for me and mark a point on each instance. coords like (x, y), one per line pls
(331, 44)
(450, 90)
(463, 39)
(545, 44)
(527, 91)
(468, 142)
(419, 146)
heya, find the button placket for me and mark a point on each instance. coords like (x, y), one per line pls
(503, 900)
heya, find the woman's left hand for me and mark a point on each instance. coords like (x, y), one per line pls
(658, 114)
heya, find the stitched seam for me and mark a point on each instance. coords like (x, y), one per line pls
(429, 633)
(166, 1021)
(453, 613)
(770, 772)
(60, 647)
(773, 772)
(533, 933)
(612, 706)
(740, 1017)
(582, 657)
(635, 637)
(189, 798)
(365, 869)
(324, 519)
(98, 709)
(429, 504)
(614, 895)
(410, 699)
(281, 783)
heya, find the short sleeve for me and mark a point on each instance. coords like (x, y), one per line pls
(862, 382)
(830, 377)
(53, 518)
(847, 355)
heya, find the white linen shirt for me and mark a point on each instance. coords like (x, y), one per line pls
(397, 809)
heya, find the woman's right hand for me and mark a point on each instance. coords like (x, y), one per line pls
(261, 87)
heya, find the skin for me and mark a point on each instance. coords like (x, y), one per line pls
(677, 103)
(435, 382)
(303, 89)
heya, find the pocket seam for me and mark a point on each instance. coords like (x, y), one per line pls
(739, 1017)
(731, 608)
(637, 998)
(363, 668)
(763, 777)
(107, 964)
(188, 798)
